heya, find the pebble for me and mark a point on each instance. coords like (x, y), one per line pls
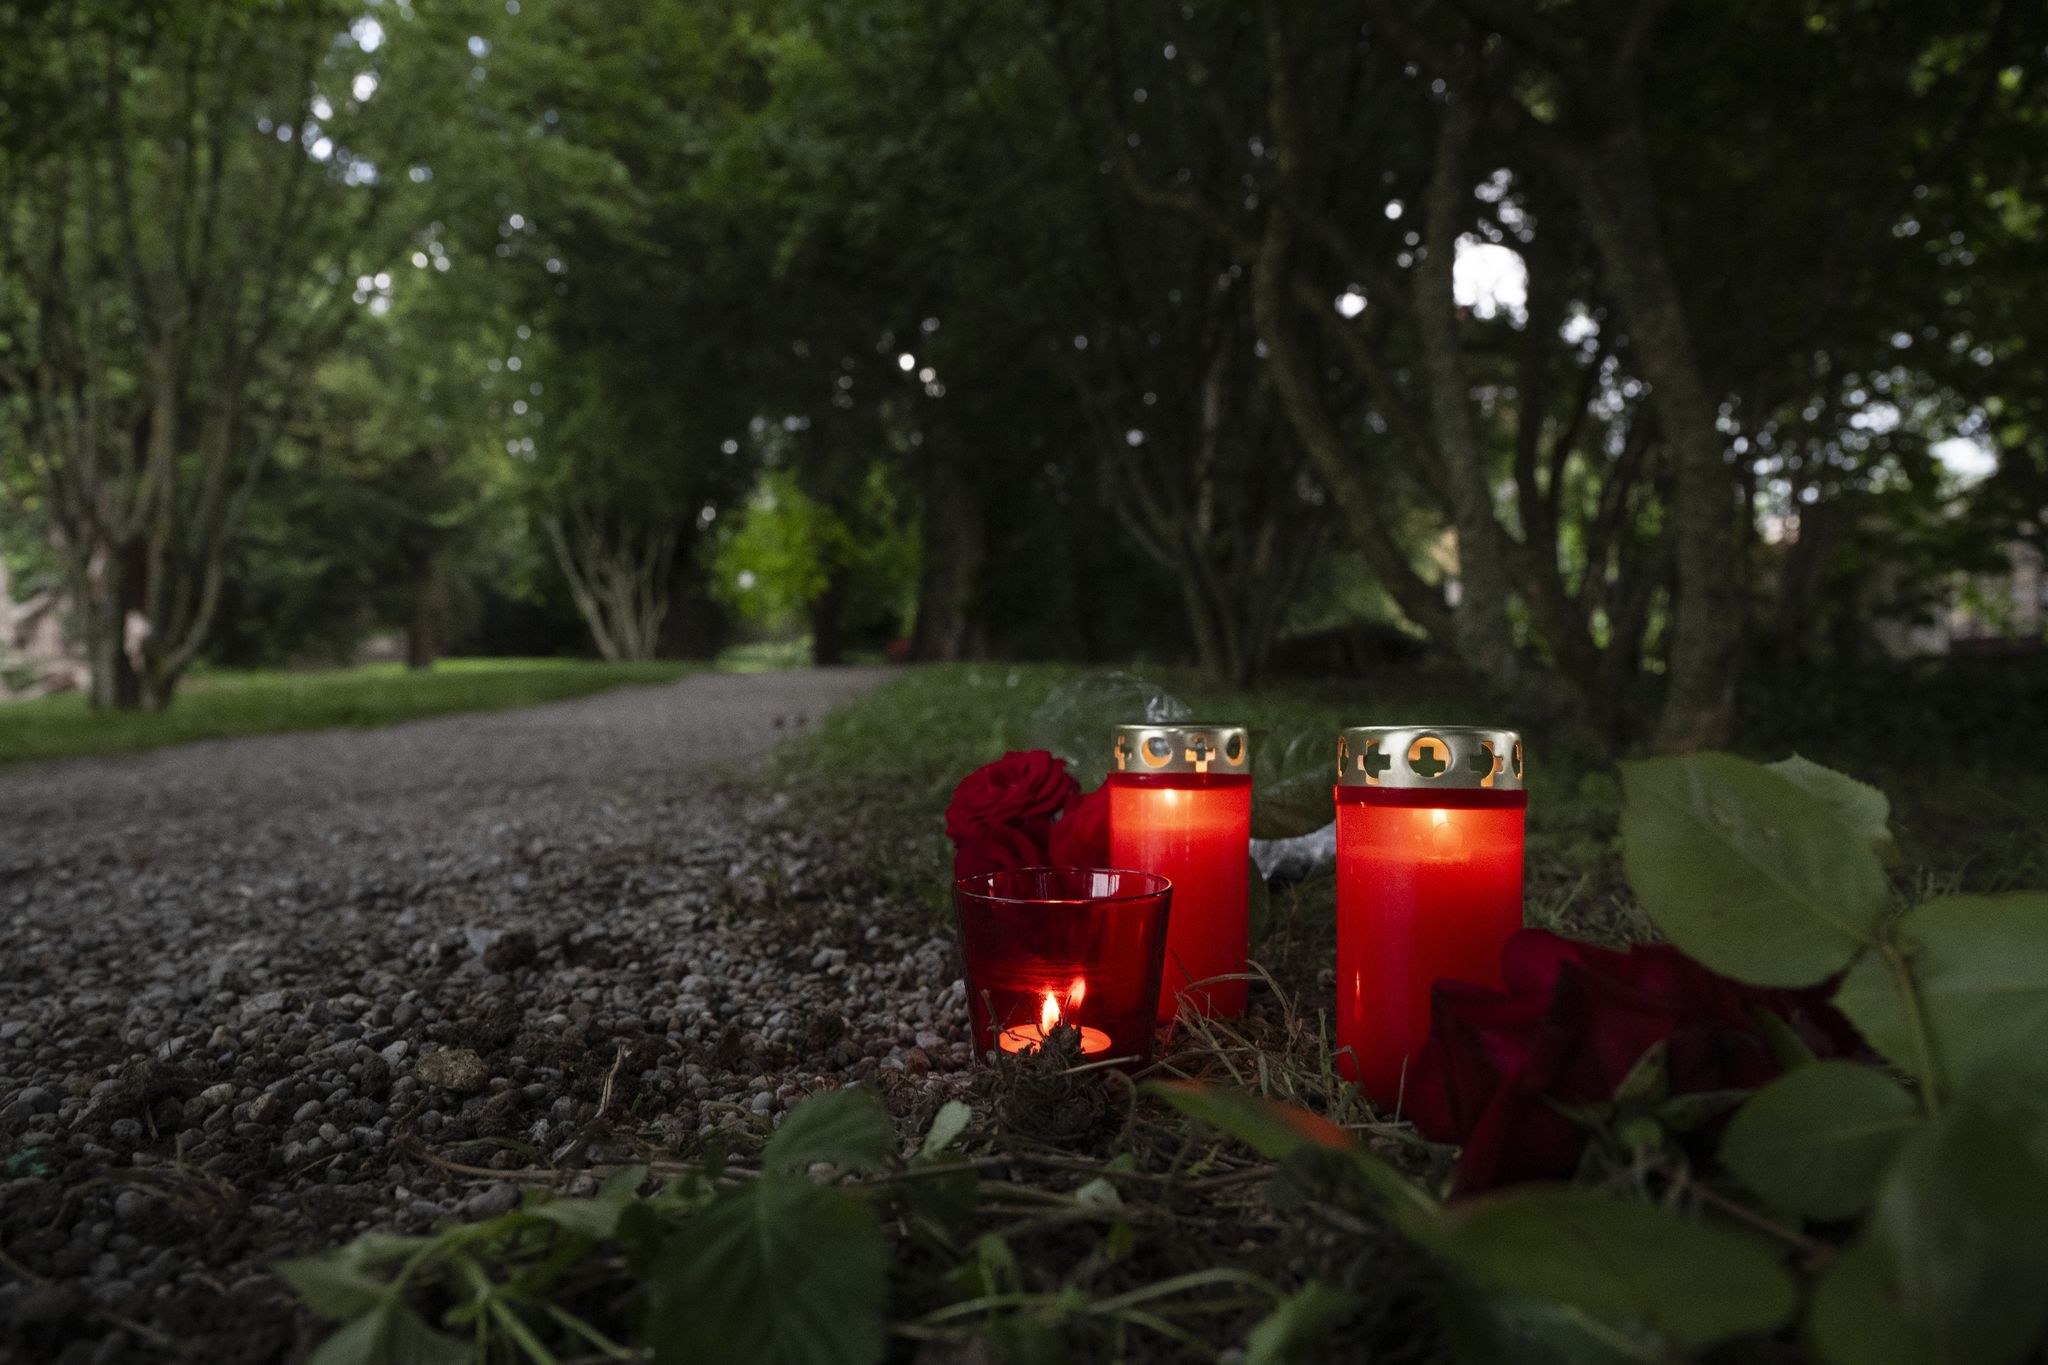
(489, 1203)
(458, 1069)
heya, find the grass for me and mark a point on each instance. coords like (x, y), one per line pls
(215, 705)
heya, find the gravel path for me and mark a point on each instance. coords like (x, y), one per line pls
(255, 994)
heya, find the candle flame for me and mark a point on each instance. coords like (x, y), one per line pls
(1051, 1015)
(1439, 818)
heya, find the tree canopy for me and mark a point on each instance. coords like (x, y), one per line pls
(1615, 353)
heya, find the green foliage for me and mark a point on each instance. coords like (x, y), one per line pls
(1865, 809)
(779, 555)
(1747, 870)
(1294, 1332)
(779, 1271)
(1964, 1217)
(1952, 1262)
(1636, 1269)
(1960, 993)
(847, 1128)
(1816, 1140)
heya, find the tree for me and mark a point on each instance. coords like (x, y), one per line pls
(179, 225)
(1564, 444)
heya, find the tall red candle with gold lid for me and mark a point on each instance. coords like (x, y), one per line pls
(1429, 882)
(1180, 805)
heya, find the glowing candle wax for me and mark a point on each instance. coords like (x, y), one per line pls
(1180, 805)
(1051, 1015)
(1047, 947)
(1429, 882)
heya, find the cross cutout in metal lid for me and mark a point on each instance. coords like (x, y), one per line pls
(1374, 762)
(1123, 752)
(1428, 757)
(1485, 762)
(1199, 752)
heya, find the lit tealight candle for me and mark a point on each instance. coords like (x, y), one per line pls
(1180, 805)
(1429, 882)
(1063, 948)
(1025, 1037)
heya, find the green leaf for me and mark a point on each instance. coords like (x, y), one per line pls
(848, 1128)
(1862, 807)
(332, 1285)
(390, 1334)
(1856, 1318)
(1817, 1140)
(1636, 1268)
(1980, 971)
(779, 1272)
(1744, 870)
(949, 1123)
(1294, 1331)
(597, 1219)
(1963, 1219)
(1491, 1327)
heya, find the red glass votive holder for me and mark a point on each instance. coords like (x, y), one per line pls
(1180, 805)
(1429, 882)
(1077, 947)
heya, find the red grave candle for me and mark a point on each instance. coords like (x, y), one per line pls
(1429, 882)
(1180, 805)
(1073, 947)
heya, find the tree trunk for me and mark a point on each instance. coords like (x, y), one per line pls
(1802, 572)
(1480, 624)
(828, 641)
(1612, 183)
(102, 580)
(949, 627)
(423, 631)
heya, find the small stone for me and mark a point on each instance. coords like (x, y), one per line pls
(489, 1203)
(269, 1002)
(454, 1068)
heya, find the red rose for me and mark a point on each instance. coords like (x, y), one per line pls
(1571, 1024)
(999, 848)
(1021, 789)
(1081, 836)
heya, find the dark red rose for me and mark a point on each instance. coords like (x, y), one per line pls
(999, 848)
(1080, 838)
(1025, 790)
(1571, 1023)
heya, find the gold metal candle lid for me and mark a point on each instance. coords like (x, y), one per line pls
(1429, 756)
(1184, 748)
